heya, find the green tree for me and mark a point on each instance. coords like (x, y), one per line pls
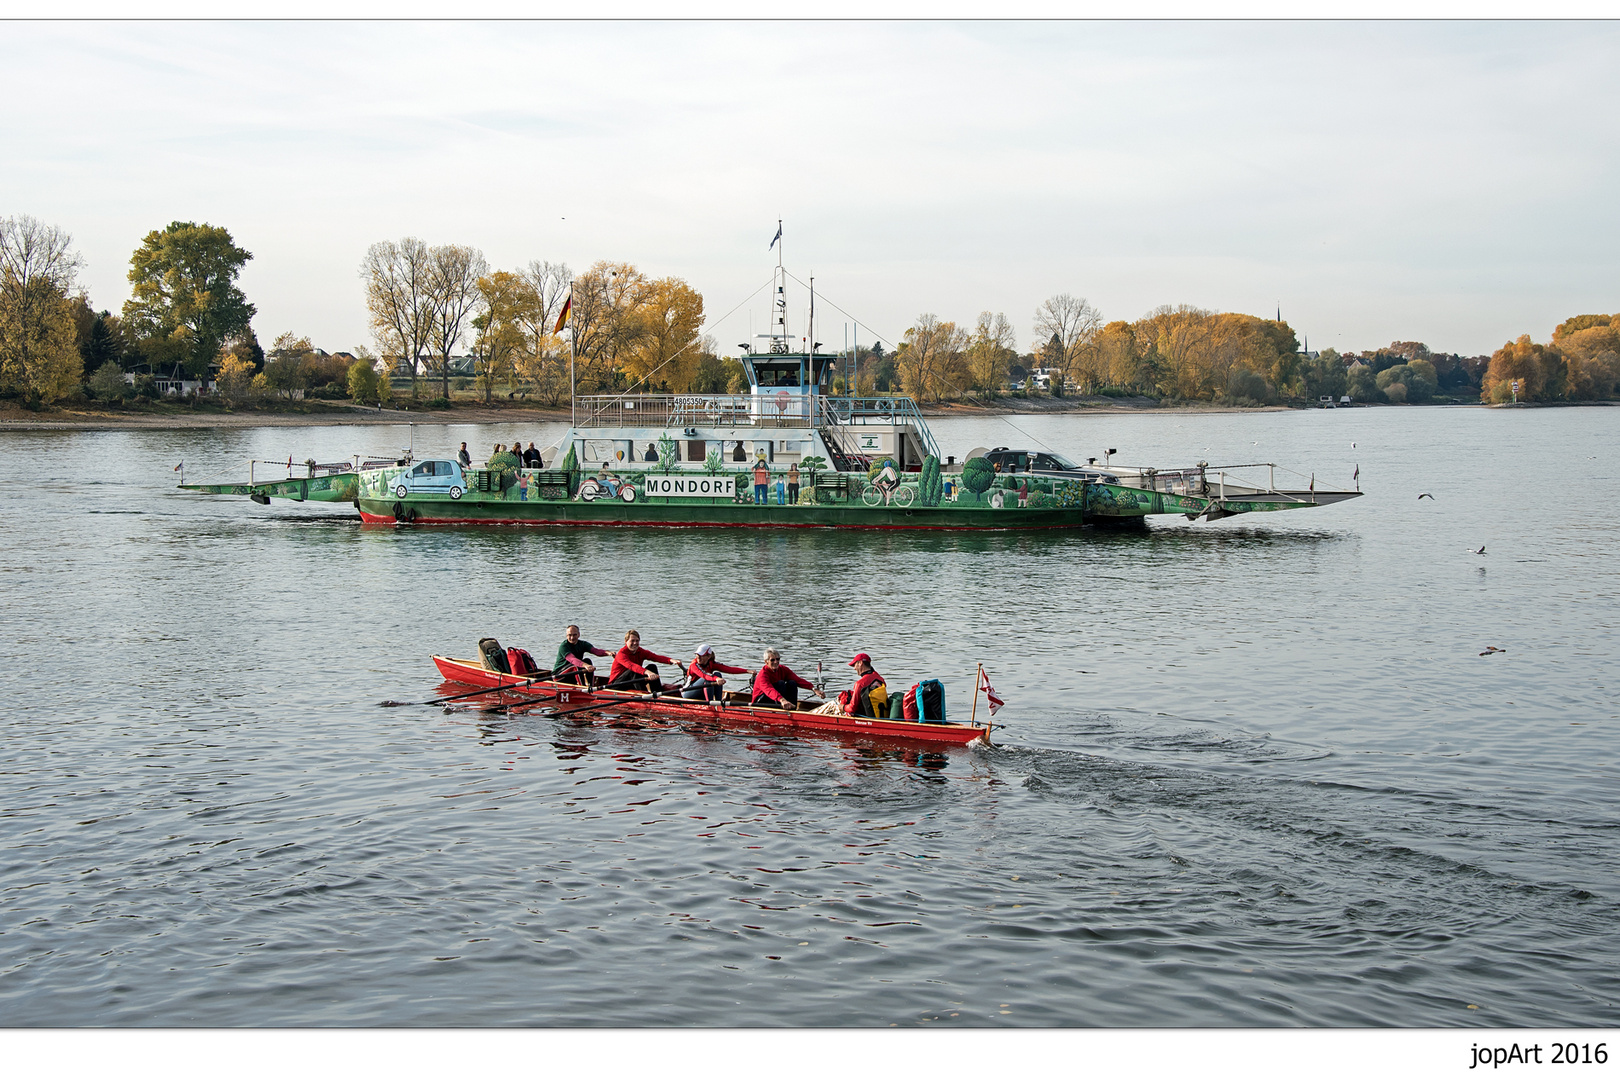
(289, 365)
(1361, 383)
(107, 382)
(929, 486)
(1324, 376)
(186, 304)
(977, 476)
(362, 381)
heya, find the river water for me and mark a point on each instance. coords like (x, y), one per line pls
(1254, 772)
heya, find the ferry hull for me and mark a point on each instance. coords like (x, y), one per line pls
(470, 510)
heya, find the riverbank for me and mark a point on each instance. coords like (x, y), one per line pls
(166, 416)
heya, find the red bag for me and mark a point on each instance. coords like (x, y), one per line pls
(520, 661)
(908, 704)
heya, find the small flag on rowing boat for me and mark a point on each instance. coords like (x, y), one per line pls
(1357, 475)
(989, 692)
(775, 238)
(562, 319)
(178, 467)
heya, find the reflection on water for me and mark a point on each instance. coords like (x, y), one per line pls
(1252, 772)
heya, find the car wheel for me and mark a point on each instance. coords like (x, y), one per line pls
(455, 493)
(400, 491)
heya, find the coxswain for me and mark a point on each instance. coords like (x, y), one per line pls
(870, 695)
(573, 664)
(631, 669)
(706, 676)
(776, 685)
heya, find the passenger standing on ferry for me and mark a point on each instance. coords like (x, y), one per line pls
(631, 669)
(704, 680)
(532, 458)
(870, 693)
(464, 457)
(762, 480)
(573, 664)
(793, 484)
(776, 685)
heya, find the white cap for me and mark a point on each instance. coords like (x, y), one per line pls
(704, 650)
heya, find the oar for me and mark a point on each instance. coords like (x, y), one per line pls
(470, 693)
(605, 704)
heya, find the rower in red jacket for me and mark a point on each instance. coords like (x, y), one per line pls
(870, 695)
(631, 670)
(776, 685)
(704, 678)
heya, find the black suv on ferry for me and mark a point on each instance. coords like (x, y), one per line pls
(1042, 463)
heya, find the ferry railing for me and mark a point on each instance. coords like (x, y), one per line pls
(1201, 480)
(687, 410)
(858, 412)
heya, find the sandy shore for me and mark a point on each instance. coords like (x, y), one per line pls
(166, 417)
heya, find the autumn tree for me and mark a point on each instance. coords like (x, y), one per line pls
(1591, 348)
(1119, 359)
(399, 301)
(506, 313)
(453, 274)
(1539, 369)
(990, 352)
(287, 365)
(1069, 326)
(235, 380)
(39, 349)
(186, 304)
(930, 359)
(605, 322)
(665, 347)
(543, 361)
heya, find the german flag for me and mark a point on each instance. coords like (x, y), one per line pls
(562, 319)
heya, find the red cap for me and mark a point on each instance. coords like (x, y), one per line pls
(859, 657)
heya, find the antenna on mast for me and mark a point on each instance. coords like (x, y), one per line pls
(779, 329)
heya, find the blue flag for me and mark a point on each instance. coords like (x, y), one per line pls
(775, 238)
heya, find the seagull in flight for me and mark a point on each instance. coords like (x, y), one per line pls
(1425, 495)
(1479, 550)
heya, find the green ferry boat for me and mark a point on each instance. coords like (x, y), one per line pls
(787, 454)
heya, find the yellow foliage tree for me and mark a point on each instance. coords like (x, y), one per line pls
(990, 353)
(931, 359)
(39, 353)
(235, 382)
(1538, 369)
(665, 350)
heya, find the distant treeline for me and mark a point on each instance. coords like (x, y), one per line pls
(188, 320)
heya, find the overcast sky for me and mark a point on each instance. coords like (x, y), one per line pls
(1454, 183)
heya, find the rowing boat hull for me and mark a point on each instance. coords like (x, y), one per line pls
(470, 673)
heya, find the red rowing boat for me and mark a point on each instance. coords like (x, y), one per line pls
(728, 711)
